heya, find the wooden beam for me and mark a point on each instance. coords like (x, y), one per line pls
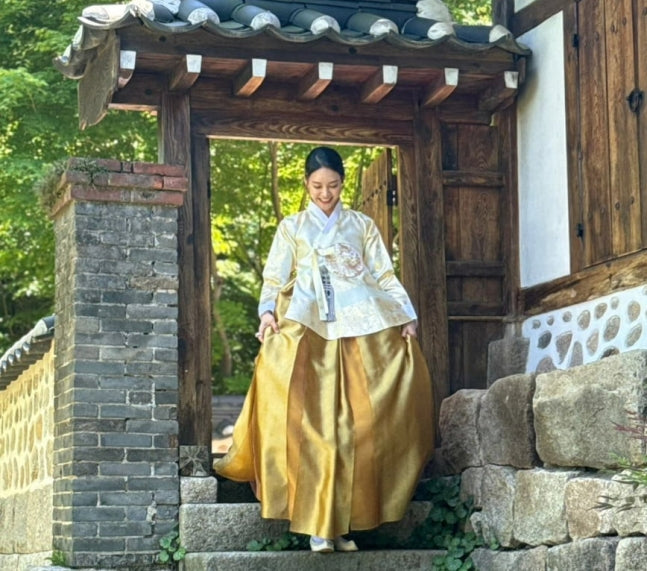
(501, 94)
(127, 59)
(472, 269)
(251, 78)
(475, 309)
(312, 128)
(313, 84)
(442, 88)
(596, 281)
(185, 73)
(535, 13)
(380, 84)
(473, 178)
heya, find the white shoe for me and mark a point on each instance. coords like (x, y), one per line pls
(342, 544)
(321, 545)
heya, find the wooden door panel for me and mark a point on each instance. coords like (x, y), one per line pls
(377, 182)
(623, 129)
(594, 131)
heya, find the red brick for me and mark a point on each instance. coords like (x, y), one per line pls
(157, 198)
(176, 183)
(75, 176)
(131, 180)
(99, 194)
(160, 169)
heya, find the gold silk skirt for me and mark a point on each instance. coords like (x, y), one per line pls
(333, 434)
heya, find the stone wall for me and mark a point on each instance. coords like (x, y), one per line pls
(26, 440)
(538, 452)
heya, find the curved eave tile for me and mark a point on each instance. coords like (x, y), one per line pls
(29, 349)
(72, 63)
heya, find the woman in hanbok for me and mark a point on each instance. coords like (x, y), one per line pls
(337, 424)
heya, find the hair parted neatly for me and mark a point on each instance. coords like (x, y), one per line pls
(321, 157)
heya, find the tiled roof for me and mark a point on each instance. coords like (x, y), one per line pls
(348, 22)
(27, 350)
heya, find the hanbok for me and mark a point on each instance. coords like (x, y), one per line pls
(337, 424)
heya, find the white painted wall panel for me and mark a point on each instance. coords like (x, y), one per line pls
(519, 4)
(543, 177)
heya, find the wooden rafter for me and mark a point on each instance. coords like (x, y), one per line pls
(313, 83)
(442, 88)
(251, 78)
(127, 59)
(501, 94)
(380, 84)
(185, 74)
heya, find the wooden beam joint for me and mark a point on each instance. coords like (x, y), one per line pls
(442, 88)
(315, 82)
(185, 73)
(251, 78)
(127, 59)
(380, 84)
(501, 93)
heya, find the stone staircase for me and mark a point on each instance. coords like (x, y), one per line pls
(216, 535)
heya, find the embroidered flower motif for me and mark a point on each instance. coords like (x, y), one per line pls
(343, 260)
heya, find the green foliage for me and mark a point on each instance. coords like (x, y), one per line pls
(286, 542)
(446, 526)
(171, 551)
(470, 11)
(58, 558)
(38, 129)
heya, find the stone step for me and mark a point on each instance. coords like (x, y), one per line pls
(230, 527)
(395, 560)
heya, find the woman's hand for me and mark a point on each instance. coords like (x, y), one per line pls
(267, 320)
(409, 329)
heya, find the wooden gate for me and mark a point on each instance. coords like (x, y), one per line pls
(379, 195)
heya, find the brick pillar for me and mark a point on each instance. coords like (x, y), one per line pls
(116, 482)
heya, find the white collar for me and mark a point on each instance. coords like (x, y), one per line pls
(327, 221)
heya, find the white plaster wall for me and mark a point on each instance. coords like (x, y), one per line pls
(519, 4)
(588, 331)
(543, 182)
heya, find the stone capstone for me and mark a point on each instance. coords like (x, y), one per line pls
(195, 490)
(577, 410)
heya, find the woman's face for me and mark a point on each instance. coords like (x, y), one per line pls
(324, 186)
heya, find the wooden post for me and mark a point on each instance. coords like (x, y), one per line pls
(201, 196)
(434, 328)
(423, 244)
(194, 345)
(507, 128)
